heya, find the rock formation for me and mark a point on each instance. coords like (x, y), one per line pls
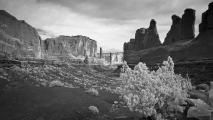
(139, 38)
(182, 28)
(144, 38)
(21, 30)
(207, 19)
(187, 24)
(151, 38)
(66, 46)
(174, 33)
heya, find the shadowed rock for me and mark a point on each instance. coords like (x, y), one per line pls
(139, 38)
(151, 39)
(207, 19)
(187, 24)
(174, 33)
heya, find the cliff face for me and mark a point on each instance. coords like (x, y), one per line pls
(19, 29)
(174, 33)
(65, 46)
(182, 29)
(207, 20)
(18, 39)
(187, 24)
(144, 39)
(189, 48)
(151, 38)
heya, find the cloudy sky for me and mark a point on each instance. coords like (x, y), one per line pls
(109, 22)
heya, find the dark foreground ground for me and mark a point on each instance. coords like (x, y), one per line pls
(48, 92)
(26, 93)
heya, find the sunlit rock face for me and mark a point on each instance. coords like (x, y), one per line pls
(21, 30)
(69, 46)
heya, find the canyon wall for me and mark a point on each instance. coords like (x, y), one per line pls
(67, 46)
(180, 42)
(144, 39)
(18, 39)
(19, 29)
(182, 29)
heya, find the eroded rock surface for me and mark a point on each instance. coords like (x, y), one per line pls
(67, 46)
(174, 33)
(187, 24)
(21, 30)
(207, 19)
(151, 39)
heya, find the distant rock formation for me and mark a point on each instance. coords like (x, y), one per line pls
(182, 28)
(174, 33)
(144, 38)
(187, 24)
(18, 39)
(207, 19)
(67, 46)
(21, 30)
(151, 38)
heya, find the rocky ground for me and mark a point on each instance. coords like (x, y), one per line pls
(49, 92)
(58, 93)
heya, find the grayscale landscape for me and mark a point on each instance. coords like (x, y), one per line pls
(106, 60)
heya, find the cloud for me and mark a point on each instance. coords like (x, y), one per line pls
(109, 22)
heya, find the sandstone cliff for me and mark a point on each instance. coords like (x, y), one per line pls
(207, 20)
(23, 31)
(67, 46)
(144, 39)
(174, 33)
(189, 49)
(187, 24)
(182, 29)
(151, 38)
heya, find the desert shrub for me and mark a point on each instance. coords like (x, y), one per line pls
(92, 91)
(151, 93)
(56, 83)
(93, 110)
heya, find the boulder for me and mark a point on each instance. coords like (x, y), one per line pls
(187, 24)
(174, 33)
(151, 38)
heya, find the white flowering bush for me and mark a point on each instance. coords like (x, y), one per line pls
(151, 93)
(92, 91)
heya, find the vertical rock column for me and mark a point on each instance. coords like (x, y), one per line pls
(101, 53)
(207, 19)
(174, 33)
(187, 24)
(151, 39)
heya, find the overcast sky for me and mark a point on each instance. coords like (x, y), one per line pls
(109, 22)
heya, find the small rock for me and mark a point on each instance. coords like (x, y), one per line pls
(204, 87)
(94, 110)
